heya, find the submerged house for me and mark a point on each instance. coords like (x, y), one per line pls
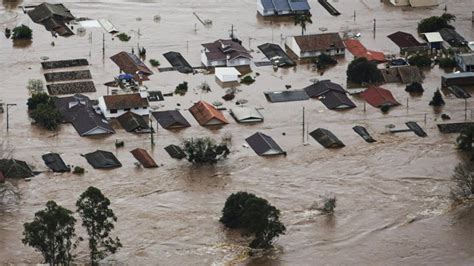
(332, 95)
(12, 168)
(245, 114)
(130, 64)
(144, 158)
(207, 115)
(53, 17)
(378, 97)
(132, 122)
(79, 111)
(326, 138)
(308, 46)
(55, 163)
(113, 106)
(465, 62)
(282, 7)
(459, 79)
(175, 152)
(407, 42)
(452, 38)
(170, 119)
(102, 160)
(264, 145)
(358, 50)
(415, 3)
(225, 53)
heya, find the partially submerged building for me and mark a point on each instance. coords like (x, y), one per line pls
(282, 7)
(378, 97)
(171, 119)
(227, 74)
(407, 42)
(102, 160)
(132, 122)
(264, 145)
(276, 54)
(53, 17)
(309, 46)
(246, 114)
(358, 50)
(332, 95)
(130, 64)
(55, 163)
(12, 168)
(326, 138)
(207, 115)
(465, 62)
(225, 53)
(178, 62)
(144, 158)
(452, 38)
(175, 151)
(434, 39)
(113, 106)
(286, 96)
(459, 79)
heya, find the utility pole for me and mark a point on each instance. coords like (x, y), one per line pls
(375, 26)
(8, 117)
(103, 45)
(303, 126)
(151, 132)
(354, 15)
(232, 32)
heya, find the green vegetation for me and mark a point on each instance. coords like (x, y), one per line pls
(329, 205)
(8, 33)
(123, 37)
(435, 23)
(35, 86)
(204, 87)
(420, 60)
(361, 70)
(42, 109)
(255, 216)
(465, 141)
(437, 100)
(154, 62)
(415, 88)
(302, 20)
(98, 219)
(181, 89)
(247, 80)
(22, 32)
(464, 178)
(52, 233)
(204, 151)
(447, 63)
(78, 170)
(324, 61)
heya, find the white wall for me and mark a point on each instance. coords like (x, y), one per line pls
(108, 114)
(291, 43)
(400, 2)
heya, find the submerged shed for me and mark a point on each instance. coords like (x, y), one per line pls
(55, 163)
(227, 74)
(178, 62)
(286, 96)
(326, 138)
(245, 114)
(144, 158)
(175, 151)
(12, 168)
(170, 119)
(132, 122)
(207, 115)
(378, 97)
(264, 145)
(276, 54)
(362, 131)
(102, 160)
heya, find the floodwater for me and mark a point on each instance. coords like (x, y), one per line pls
(393, 203)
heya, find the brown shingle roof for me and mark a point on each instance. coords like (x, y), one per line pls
(233, 49)
(403, 39)
(144, 158)
(125, 101)
(205, 112)
(319, 42)
(130, 63)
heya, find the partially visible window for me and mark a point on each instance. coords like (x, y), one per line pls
(113, 111)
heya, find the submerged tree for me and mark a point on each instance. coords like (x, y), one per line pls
(465, 140)
(302, 20)
(436, 23)
(35, 86)
(360, 70)
(98, 219)
(420, 60)
(255, 216)
(204, 151)
(52, 233)
(22, 32)
(324, 61)
(464, 178)
(437, 100)
(46, 116)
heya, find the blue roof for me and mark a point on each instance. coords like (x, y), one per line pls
(299, 5)
(268, 5)
(281, 5)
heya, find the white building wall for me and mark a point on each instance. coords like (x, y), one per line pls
(400, 2)
(291, 43)
(423, 3)
(106, 112)
(204, 60)
(239, 62)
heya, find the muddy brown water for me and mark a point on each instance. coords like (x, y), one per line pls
(393, 196)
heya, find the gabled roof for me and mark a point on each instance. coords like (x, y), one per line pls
(205, 113)
(130, 64)
(178, 62)
(12, 168)
(285, 5)
(319, 42)
(125, 101)
(321, 87)
(175, 151)
(244, 114)
(299, 5)
(326, 138)
(55, 162)
(452, 37)
(433, 37)
(46, 10)
(403, 39)
(220, 49)
(362, 131)
(378, 97)
(276, 54)
(286, 96)
(132, 122)
(264, 145)
(336, 100)
(358, 50)
(144, 158)
(102, 160)
(170, 119)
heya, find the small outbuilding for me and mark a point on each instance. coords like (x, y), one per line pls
(332, 95)
(102, 160)
(132, 122)
(286, 96)
(434, 39)
(178, 62)
(459, 79)
(171, 119)
(378, 97)
(264, 145)
(245, 114)
(175, 151)
(207, 115)
(227, 74)
(407, 42)
(55, 163)
(276, 54)
(326, 138)
(130, 63)
(12, 168)
(452, 37)
(465, 62)
(144, 158)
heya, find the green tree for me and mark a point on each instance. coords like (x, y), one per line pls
(98, 219)
(204, 151)
(435, 23)
(35, 86)
(182, 88)
(447, 63)
(22, 32)
(52, 233)
(464, 178)
(420, 60)
(39, 98)
(254, 216)
(465, 139)
(46, 116)
(324, 61)
(437, 99)
(302, 20)
(360, 70)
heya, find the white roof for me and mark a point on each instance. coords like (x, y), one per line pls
(433, 37)
(243, 113)
(220, 71)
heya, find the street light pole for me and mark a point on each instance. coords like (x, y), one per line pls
(8, 107)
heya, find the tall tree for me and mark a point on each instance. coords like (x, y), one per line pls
(52, 233)
(98, 219)
(360, 70)
(302, 20)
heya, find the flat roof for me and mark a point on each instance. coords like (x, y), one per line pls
(433, 37)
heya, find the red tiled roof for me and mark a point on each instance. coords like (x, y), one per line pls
(319, 42)
(403, 39)
(377, 97)
(125, 101)
(358, 50)
(144, 158)
(205, 112)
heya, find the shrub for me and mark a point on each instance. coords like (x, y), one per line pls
(204, 151)
(385, 108)
(78, 170)
(123, 37)
(437, 99)
(46, 116)
(329, 205)
(420, 60)
(324, 61)
(204, 87)
(447, 63)
(35, 86)
(360, 70)
(465, 139)
(247, 80)
(414, 87)
(22, 32)
(38, 98)
(181, 89)
(254, 216)
(435, 23)
(8, 33)
(154, 62)
(464, 178)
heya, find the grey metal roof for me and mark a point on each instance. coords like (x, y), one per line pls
(264, 145)
(336, 100)
(175, 151)
(326, 138)
(299, 5)
(281, 5)
(102, 159)
(170, 119)
(178, 62)
(362, 131)
(452, 37)
(55, 162)
(244, 114)
(13, 168)
(276, 54)
(268, 5)
(286, 96)
(321, 87)
(132, 122)
(467, 59)
(46, 10)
